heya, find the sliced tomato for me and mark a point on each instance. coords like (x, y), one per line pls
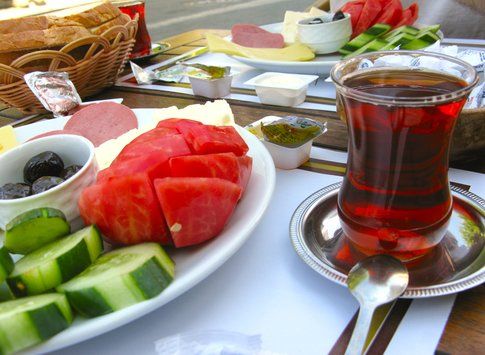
(125, 209)
(177, 123)
(353, 9)
(171, 146)
(155, 133)
(391, 13)
(196, 209)
(220, 165)
(369, 13)
(409, 16)
(214, 139)
(245, 167)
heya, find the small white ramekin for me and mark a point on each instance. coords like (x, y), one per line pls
(73, 150)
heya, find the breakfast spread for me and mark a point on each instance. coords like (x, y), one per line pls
(369, 25)
(159, 186)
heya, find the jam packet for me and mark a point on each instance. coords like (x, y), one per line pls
(289, 131)
(54, 90)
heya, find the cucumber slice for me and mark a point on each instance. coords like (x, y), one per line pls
(120, 279)
(6, 264)
(5, 293)
(423, 40)
(55, 263)
(432, 28)
(28, 321)
(402, 29)
(398, 40)
(368, 36)
(375, 45)
(35, 228)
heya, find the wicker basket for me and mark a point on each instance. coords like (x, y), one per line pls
(93, 63)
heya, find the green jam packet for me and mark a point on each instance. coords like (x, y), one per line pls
(209, 71)
(292, 131)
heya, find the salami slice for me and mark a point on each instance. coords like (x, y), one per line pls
(246, 28)
(102, 122)
(253, 36)
(53, 133)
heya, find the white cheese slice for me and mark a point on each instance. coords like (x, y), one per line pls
(217, 113)
(290, 23)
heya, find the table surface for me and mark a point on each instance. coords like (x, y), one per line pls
(465, 331)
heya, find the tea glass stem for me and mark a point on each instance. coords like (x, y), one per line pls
(361, 330)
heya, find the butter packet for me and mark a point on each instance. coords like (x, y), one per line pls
(54, 90)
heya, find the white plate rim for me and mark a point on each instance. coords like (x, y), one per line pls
(318, 62)
(90, 328)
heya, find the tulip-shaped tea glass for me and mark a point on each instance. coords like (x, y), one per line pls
(400, 108)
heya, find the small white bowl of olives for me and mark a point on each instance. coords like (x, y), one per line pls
(46, 172)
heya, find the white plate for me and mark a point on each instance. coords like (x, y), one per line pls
(192, 264)
(322, 64)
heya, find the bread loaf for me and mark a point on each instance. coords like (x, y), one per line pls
(117, 21)
(90, 15)
(40, 39)
(23, 35)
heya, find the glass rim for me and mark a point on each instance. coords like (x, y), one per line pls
(405, 100)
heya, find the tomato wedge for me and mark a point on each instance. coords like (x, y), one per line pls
(125, 209)
(369, 13)
(220, 165)
(391, 13)
(171, 146)
(409, 16)
(353, 9)
(196, 209)
(245, 167)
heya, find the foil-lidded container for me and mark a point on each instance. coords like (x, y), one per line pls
(54, 90)
(288, 139)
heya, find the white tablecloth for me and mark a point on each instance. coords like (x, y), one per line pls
(265, 289)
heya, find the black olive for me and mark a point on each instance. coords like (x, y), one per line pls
(45, 183)
(70, 171)
(315, 21)
(43, 164)
(12, 191)
(338, 16)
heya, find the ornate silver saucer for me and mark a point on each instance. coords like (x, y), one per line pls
(456, 264)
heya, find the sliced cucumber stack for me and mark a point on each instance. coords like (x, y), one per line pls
(120, 279)
(28, 321)
(55, 263)
(372, 46)
(403, 29)
(423, 40)
(368, 36)
(6, 264)
(35, 228)
(5, 293)
(378, 38)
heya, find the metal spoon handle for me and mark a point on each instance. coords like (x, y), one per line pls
(361, 330)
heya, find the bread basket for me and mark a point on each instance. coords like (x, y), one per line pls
(93, 63)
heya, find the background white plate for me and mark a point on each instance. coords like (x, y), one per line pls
(322, 64)
(192, 264)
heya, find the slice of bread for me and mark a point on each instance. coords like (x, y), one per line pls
(120, 20)
(91, 15)
(41, 39)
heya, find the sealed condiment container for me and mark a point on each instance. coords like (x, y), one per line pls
(281, 89)
(288, 139)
